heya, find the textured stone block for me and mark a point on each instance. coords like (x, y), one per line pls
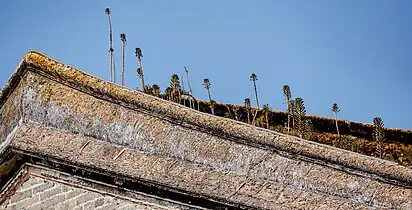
(99, 202)
(56, 189)
(42, 187)
(23, 203)
(66, 204)
(85, 197)
(21, 195)
(46, 203)
(75, 193)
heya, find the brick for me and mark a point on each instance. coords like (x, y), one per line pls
(32, 181)
(24, 203)
(108, 206)
(75, 192)
(86, 197)
(129, 207)
(35, 208)
(65, 188)
(45, 204)
(67, 204)
(50, 192)
(89, 205)
(18, 196)
(78, 208)
(42, 187)
(99, 202)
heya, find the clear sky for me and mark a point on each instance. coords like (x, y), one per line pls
(354, 53)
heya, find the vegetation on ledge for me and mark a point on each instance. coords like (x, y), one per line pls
(371, 140)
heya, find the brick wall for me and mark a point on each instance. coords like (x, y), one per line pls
(38, 193)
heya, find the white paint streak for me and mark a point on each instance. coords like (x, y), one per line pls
(5, 144)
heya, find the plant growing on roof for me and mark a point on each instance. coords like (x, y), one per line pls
(212, 105)
(248, 107)
(236, 112)
(168, 92)
(111, 50)
(288, 95)
(148, 89)
(378, 134)
(253, 78)
(188, 82)
(228, 114)
(266, 112)
(194, 101)
(292, 113)
(182, 92)
(302, 124)
(335, 110)
(139, 56)
(123, 39)
(207, 85)
(191, 103)
(185, 95)
(156, 90)
(308, 129)
(299, 113)
(175, 86)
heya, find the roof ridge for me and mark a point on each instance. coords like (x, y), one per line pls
(226, 128)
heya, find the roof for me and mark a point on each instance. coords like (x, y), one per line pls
(56, 112)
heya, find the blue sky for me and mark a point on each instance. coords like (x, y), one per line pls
(354, 53)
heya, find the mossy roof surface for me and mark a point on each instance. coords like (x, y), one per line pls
(227, 128)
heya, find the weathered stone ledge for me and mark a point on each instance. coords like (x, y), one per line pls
(230, 129)
(186, 176)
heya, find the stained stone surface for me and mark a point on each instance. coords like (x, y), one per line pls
(61, 112)
(286, 183)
